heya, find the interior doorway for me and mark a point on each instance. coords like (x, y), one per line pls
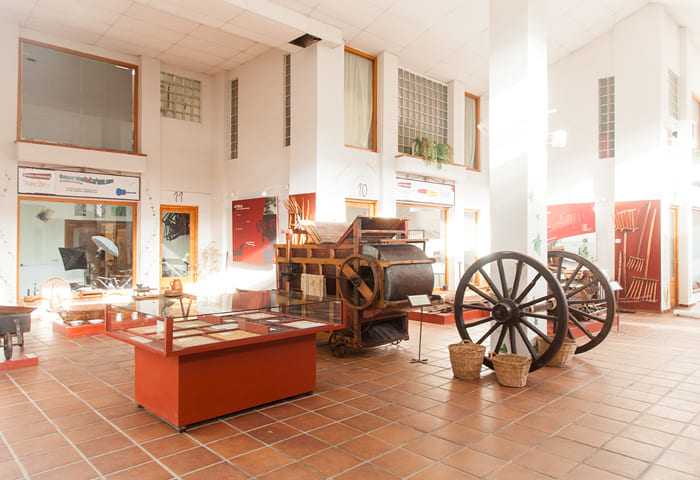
(178, 244)
(673, 257)
(359, 208)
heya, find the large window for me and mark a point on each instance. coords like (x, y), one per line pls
(88, 245)
(360, 100)
(606, 113)
(471, 132)
(422, 110)
(69, 98)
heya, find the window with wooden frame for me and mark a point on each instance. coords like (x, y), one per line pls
(422, 110)
(606, 117)
(75, 99)
(359, 208)
(87, 243)
(360, 100)
(472, 138)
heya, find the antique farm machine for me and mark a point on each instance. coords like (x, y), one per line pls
(522, 300)
(371, 264)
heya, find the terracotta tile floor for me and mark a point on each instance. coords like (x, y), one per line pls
(628, 409)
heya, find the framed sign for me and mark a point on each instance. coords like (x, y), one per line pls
(420, 191)
(65, 183)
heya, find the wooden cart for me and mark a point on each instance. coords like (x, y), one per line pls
(373, 266)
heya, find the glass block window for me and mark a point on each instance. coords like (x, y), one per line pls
(179, 97)
(606, 122)
(234, 118)
(422, 110)
(287, 100)
(673, 99)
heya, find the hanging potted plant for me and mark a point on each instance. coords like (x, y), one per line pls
(433, 153)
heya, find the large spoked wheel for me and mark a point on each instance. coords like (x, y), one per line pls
(589, 297)
(522, 302)
(359, 281)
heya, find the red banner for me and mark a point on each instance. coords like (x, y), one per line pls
(569, 219)
(254, 230)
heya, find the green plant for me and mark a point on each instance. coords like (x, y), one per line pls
(433, 153)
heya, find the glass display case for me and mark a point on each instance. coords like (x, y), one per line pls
(197, 358)
(183, 323)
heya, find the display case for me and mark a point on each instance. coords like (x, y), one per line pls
(198, 358)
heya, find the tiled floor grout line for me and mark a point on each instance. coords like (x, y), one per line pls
(70, 442)
(14, 456)
(94, 410)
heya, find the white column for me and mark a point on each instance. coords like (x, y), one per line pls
(148, 267)
(387, 131)
(518, 126)
(9, 48)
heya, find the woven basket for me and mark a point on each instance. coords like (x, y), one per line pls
(563, 356)
(466, 359)
(511, 369)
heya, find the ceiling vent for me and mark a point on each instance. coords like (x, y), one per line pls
(305, 40)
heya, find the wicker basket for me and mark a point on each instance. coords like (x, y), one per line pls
(511, 369)
(466, 359)
(563, 356)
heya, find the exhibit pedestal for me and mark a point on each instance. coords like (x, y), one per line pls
(187, 389)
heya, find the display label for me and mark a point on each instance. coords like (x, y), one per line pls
(419, 191)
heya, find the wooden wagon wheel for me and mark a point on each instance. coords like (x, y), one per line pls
(589, 297)
(521, 301)
(359, 281)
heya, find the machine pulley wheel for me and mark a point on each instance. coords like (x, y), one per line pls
(507, 301)
(589, 297)
(337, 344)
(7, 346)
(359, 281)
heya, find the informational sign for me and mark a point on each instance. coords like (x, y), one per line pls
(569, 220)
(418, 300)
(254, 230)
(420, 191)
(66, 183)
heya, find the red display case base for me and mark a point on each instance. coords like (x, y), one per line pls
(19, 360)
(445, 318)
(70, 331)
(190, 388)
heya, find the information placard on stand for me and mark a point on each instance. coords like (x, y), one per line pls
(419, 301)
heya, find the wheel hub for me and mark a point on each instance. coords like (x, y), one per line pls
(505, 312)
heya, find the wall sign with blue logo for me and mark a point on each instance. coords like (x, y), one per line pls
(67, 183)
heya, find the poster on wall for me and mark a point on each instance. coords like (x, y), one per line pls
(254, 230)
(420, 191)
(77, 184)
(569, 220)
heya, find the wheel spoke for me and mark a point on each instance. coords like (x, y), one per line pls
(529, 287)
(494, 289)
(580, 326)
(476, 306)
(501, 337)
(587, 315)
(516, 280)
(572, 276)
(502, 274)
(483, 295)
(481, 321)
(536, 330)
(559, 268)
(526, 341)
(511, 334)
(569, 332)
(488, 333)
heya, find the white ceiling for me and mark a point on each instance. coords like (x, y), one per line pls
(443, 39)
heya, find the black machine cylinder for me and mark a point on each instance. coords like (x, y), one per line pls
(402, 278)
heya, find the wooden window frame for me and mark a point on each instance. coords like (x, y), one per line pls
(374, 98)
(696, 99)
(86, 55)
(164, 282)
(478, 134)
(134, 220)
(359, 203)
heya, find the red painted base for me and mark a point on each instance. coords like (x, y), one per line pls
(69, 331)
(445, 318)
(19, 360)
(187, 389)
